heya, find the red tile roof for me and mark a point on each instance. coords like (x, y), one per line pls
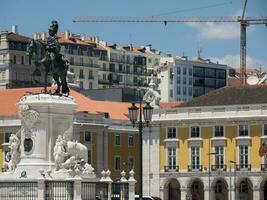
(117, 110)
(248, 71)
(170, 104)
(233, 81)
(16, 37)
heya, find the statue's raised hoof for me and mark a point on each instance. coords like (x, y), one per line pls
(66, 94)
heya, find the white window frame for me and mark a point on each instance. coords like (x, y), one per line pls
(238, 152)
(130, 157)
(88, 142)
(195, 144)
(171, 145)
(214, 128)
(115, 135)
(191, 164)
(6, 136)
(239, 130)
(214, 158)
(167, 131)
(117, 156)
(263, 129)
(130, 135)
(190, 132)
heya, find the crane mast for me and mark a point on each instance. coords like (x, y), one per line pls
(243, 45)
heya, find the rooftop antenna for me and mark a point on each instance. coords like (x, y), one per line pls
(252, 80)
(199, 51)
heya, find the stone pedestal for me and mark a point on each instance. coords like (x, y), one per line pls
(43, 118)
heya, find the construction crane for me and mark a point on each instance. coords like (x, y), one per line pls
(244, 22)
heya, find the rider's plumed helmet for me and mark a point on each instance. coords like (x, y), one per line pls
(53, 28)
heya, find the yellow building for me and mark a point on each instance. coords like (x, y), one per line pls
(102, 126)
(209, 146)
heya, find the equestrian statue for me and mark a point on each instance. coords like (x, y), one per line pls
(46, 54)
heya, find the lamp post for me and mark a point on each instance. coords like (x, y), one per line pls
(137, 121)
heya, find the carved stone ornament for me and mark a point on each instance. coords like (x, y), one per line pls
(71, 156)
(29, 118)
(152, 96)
(14, 153)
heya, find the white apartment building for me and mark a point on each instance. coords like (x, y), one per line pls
(180, 79)
(16, 70)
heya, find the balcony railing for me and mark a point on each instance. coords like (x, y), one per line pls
(171, 168)
(264, 167)
(243, 167)
(92, 65)
(218, 167)
(195, 168)
(104, 82)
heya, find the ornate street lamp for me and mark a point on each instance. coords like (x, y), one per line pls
(138, 122)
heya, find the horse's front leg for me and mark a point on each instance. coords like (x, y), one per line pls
(45, 86)
(56, 78)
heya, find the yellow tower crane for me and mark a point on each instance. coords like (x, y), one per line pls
(244, 22)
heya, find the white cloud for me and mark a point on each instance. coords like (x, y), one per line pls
(211, 30)
(234, 60)
(218, 30)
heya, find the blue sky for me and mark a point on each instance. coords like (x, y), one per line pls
(219, 42)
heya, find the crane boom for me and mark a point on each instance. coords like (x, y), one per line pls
(154, 19)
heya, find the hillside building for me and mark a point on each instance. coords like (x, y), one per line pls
(181, 79)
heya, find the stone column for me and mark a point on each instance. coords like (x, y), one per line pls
(106, 179)
(183, 193)
(206, 194)
(123, 180)
(256, 193)
(131, 182)
(77, 188)
(41, 188)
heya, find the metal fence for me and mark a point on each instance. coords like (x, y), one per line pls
(120, 191)
(18, 191)
(94, 190)
(59, 190)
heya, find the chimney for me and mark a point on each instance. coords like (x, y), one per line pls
(14, 29)
(67, 35)
(97, 39)
(131, 47)
(35, 36)
(43, 36)
(83, 37)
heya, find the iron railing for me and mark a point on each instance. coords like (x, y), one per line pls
(94, 190)
(264, 167)
(59, 190)
(120, 191)
(195, 168)
(171, 168)
(243, 167)
(18, 191)
(218, 167)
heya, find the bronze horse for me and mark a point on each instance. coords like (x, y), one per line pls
(37, 51)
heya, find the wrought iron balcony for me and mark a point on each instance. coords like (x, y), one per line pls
(171, 168)
(195, 168)
(105, 82)
(264, 167)
(218, 167)
(243, 167)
